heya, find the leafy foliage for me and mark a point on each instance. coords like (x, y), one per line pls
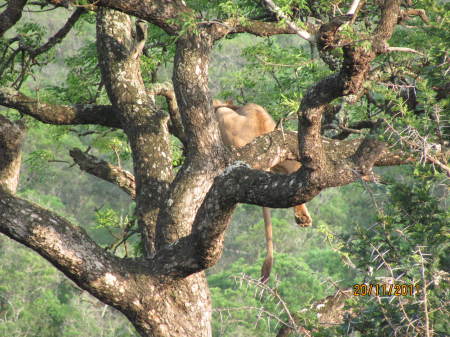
(408, 245)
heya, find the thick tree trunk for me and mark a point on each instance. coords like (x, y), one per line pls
(165, 307)
(157, 306)
(146, 128)
(12, 136)
(177, 309)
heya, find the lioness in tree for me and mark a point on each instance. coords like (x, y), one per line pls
(239, 125)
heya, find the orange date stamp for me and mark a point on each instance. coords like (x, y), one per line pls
(385, 289)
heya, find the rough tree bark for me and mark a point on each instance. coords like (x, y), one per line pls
(12, 135)
(182, 217)
(11, 15)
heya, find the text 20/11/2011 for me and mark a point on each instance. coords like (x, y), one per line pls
(385, 289)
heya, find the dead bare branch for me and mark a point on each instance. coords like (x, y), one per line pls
(300, 32)
(106, 171)
(404, 50)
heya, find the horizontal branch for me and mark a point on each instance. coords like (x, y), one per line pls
(104, 115)
(168, 15)
(268, 150)
(220, 29)
(404, 50)
(66, 246)
(352, 128)
(106, 171)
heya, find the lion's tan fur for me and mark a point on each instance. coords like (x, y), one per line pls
(239, 125)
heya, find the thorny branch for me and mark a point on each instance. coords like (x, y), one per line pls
(423, 261)
(393, 278)
(418, 144)
(262, 289)
(330, 310)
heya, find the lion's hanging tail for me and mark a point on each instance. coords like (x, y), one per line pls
(268, 262)
(239, 125)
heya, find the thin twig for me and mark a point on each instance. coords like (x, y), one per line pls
(424, 292)
(60, 35)
(295, 65)
(272, 293)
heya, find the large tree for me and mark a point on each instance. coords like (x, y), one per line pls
(182, 214)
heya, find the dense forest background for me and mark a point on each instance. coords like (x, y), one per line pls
(363, 232)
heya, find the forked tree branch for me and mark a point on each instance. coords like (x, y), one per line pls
(407, 13)
(238, 183)
(241, 184)
(349, 80)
